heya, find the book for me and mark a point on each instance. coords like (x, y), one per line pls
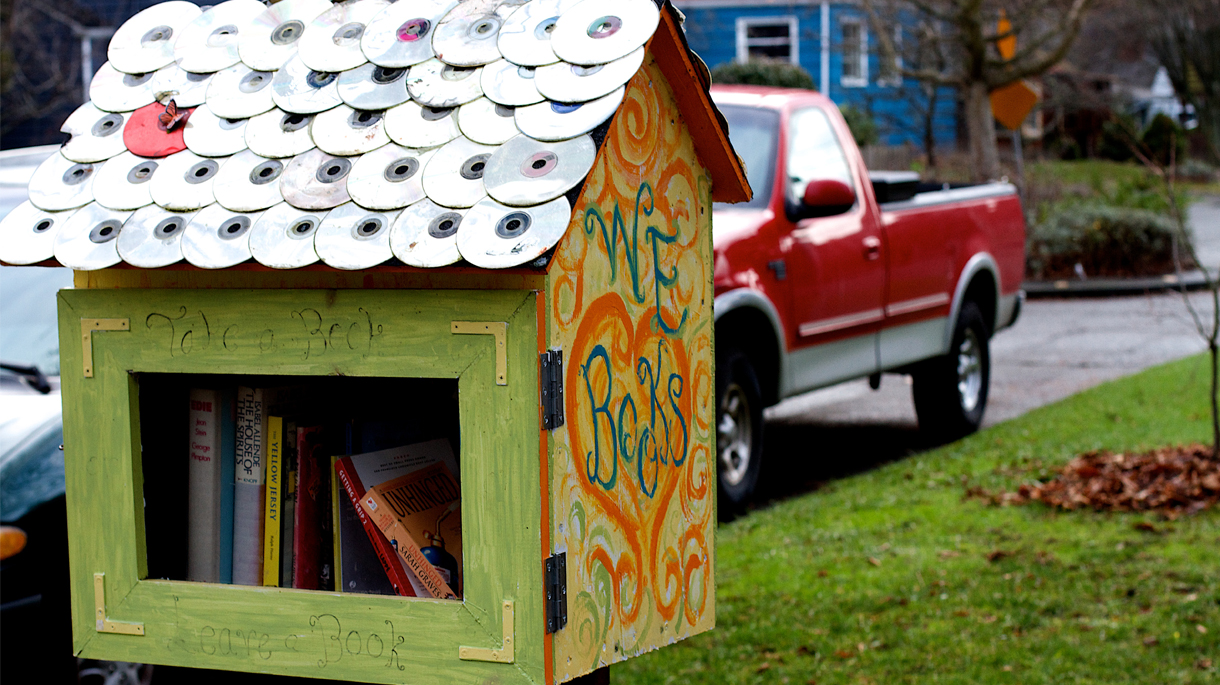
(367, 561)
(273, 502)
(248, 490)
(310, 499)
(288, 489)
(204, 486)
(336, 552)
(228, 455)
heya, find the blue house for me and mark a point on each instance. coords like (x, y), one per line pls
(832, 41)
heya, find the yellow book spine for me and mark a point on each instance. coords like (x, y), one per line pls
(335, 493)
(271, 520)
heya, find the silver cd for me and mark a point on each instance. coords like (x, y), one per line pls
(525, 38)
(390, 177)
(152, 237)
(425, 234)
(212, 136)
(96, 135)
(279, 134)
(594, 32)
(88, 239)
(494, 236)
(566, 82)
(283, 237)
(114, 91)
(297, 88)
(146, 41)
(352, 237)
(209, 43)
(248, 182)
(401, 35)
(559, 121)
(184, 181)
(466, 36)
(316, 180)
(332, 40)
(525, 172)
(486, 122)
(218, 238)
(27, 233)
(454, 175)
(125, 182)
(437, 84)
(187, 88)
(510, 84)
(374, 87)
(240, 92)
(413, 125)
(272, 37)
(345, 131)
(59, 183)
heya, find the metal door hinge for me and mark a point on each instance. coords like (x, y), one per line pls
(555, 576)
(550, 384)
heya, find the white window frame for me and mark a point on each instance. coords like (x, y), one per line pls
(744, 41)
(895, 80)
(854, 81)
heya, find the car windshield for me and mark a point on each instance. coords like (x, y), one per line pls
(754, 132)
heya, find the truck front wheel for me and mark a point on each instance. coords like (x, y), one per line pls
(951, 391)
(739, 429)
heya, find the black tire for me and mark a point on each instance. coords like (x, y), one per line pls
(951, 391)
(739, 430)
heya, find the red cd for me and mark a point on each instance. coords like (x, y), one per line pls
(147, 136)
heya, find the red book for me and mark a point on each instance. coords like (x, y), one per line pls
(390, 561)
(311, 494)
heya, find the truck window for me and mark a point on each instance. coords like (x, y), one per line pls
(814, 152)
(753, 132)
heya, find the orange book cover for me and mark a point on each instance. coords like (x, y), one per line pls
(423, 506)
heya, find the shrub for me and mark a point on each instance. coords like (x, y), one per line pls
(1105, 241)
(763, 73)
(1163, 134)
(862, 126)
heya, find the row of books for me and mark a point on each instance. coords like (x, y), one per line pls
(277, 501)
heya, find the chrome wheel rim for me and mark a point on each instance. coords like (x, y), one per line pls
(734, 435)
(970, 371)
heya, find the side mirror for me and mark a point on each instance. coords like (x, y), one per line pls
(827, 198)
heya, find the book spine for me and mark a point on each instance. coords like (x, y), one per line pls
(248, 489)
(273, 501)
(228, 471)
(307, 532)
(337, 552)
(203, 496)
(377, 508)
(288, 490)
(390, 561)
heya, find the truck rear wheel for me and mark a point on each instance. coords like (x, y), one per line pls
(951, 391)
(739, 429)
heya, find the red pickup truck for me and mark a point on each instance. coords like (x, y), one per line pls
(831, 274)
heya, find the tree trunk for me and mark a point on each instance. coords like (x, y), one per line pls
(980, 126)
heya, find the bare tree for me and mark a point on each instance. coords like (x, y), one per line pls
(1186, 39)
(966, 33)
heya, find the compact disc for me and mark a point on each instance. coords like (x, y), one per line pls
(187, 88)
(389, 177)
(240, 92)
(27, 233)
(96, 135)
(559, 121)
(272, 37)
(316, 180)
(454, 175)
(486, 122)
(413, 125)
(401, 34)
(152, 237)
(594, 32)
(425, 234)
(369, 86)
(183, 181)
(59, 183)
(209, 43)
(283, 237)
(146, 41)
(147, 135)
(525, 37)
(124, 183)
(88, 239)
(115, 91)
(494, 236)
(510, 84)
(346, 131)
(352, 237)
(332, 40)
(248, 182)
(466, 36)
(526, 172)
(566, 82)
(297, 88)
(279, 134)
(217, 238)
(212, 136)
(437, 84)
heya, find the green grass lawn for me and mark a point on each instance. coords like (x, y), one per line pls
(894, 576)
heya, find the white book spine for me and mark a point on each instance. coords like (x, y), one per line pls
(203, 492)
(248, 488)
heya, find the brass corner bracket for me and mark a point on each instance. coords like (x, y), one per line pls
(505, 654)
(105, 625)
(87, 327)
(499, 329)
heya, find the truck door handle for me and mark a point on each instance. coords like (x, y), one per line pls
(872, 248)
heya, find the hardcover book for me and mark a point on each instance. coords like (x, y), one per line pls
(311, 496)
(204, 486)
(273, 501)
(248, 488)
